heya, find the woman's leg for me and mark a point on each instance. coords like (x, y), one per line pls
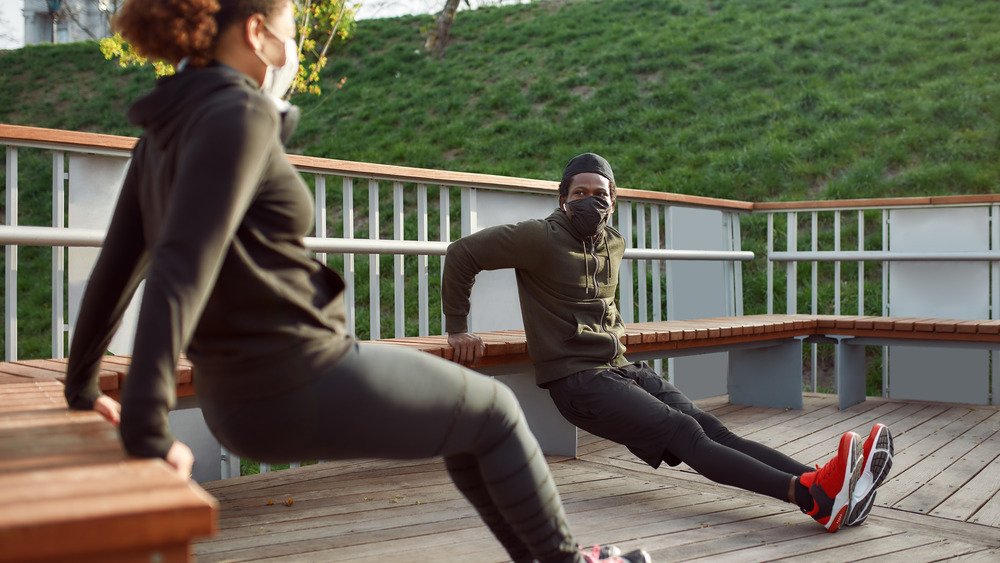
(391, 402)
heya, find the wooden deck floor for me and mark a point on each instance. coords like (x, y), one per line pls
(941, 502)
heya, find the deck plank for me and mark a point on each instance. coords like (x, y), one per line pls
(939, 550)
(377, 510)
(923, 460)
(957, 463)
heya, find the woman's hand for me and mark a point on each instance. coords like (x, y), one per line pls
(181, 459)
(109, 408)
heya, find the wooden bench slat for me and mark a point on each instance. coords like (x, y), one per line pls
(69, 492)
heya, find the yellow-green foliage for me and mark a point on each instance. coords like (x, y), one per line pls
(322, 24)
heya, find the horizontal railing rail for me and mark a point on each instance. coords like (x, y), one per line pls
(881, 256)
(53, 236)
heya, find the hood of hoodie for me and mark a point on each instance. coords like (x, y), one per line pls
(163, 112)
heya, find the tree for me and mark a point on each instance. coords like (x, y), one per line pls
(322, 24)
(438, 36)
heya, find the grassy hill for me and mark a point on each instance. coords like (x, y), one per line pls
(762, 100)
(757, 100)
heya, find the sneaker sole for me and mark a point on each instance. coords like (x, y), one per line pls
(872, 476)
(852, 473)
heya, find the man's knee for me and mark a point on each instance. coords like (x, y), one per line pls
(713, 427)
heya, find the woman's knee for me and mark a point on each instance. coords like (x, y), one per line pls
(506, 408)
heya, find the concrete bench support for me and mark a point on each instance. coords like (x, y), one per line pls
(850, 370)
(767, 376)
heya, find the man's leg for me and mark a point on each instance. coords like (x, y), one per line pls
(663, 390)
(613, 405)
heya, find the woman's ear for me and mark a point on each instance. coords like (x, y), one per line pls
(253, 31)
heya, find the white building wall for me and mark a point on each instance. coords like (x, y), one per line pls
(88, 21)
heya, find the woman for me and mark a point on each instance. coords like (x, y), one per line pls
(212, 216)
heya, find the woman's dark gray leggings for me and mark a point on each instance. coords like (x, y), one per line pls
(390, 402)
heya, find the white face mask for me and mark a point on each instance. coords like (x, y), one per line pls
(278, 79)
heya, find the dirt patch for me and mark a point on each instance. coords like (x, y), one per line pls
(583, 92)
(451, 154)
(654, 77)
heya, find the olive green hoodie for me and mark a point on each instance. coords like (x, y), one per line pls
(566, 288)
(212, 215)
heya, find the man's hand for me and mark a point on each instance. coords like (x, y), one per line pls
(468, 347)
(109, 409)
(181, 459)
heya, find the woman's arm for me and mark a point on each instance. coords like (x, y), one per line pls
(113, 281)
(219, 168)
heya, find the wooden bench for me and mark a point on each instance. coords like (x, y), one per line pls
(765, 356)
(110, 378)
(68, 492)
(765, 369)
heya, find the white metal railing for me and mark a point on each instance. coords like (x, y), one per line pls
(851, 247)
(413, 242)
(63, 237)
(395, 218)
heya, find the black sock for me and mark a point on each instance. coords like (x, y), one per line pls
(803, 497)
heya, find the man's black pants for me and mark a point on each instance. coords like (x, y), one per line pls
(634, 406)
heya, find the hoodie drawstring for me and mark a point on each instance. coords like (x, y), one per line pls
(607, 252)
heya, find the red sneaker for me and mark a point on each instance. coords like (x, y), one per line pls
(875, 468)
(832, 486)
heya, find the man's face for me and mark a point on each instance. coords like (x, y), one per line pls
(589, 184)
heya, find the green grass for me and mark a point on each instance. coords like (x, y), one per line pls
(761, 100)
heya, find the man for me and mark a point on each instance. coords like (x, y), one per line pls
(566, 267)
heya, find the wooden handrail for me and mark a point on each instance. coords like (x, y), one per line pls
(881, 202)
(53, 138)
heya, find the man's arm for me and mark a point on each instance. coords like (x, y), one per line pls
(504, 246)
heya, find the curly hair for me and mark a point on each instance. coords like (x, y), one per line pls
(170, 30)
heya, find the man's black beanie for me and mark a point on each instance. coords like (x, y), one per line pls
(587, 162)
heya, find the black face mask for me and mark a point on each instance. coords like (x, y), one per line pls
(588, 215)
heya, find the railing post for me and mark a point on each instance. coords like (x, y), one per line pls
(814, 244)
(320, 211)
(654, 223)
(10, 266)
(423, 298)
(625, 270)
(640, 239)
(399, 275)
(444, 209)
(836, 265)
(58, 255)
(770, 264)
(349, 258)
(861, 263)
(737, 265)
(374, 290)
(470, 219)
(995, 300)
(885, 300)
(791, 277)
